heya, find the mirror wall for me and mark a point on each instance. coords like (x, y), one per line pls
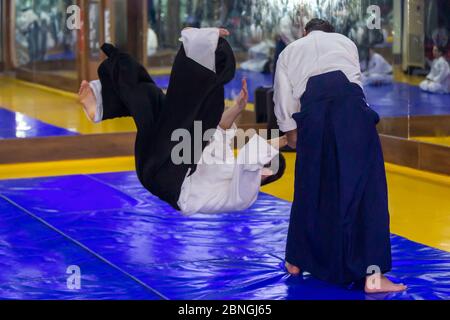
(44, 49)
(397, 51)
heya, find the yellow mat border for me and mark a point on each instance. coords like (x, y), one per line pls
(117, 164)
(72, 95)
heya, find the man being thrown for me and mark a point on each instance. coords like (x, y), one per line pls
(212, 181)
(339, 227)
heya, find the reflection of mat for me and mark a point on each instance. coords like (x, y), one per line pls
(435, 140)
(128, 244)
(402, 99)
(399, 99)
(18, 125)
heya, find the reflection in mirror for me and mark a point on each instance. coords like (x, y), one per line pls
(400, 43)
(427, 63)
(45, 48)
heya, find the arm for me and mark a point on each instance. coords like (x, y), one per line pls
(285, 103)
(246, 181)
(231, 114)
(442, 72)
(292, 138)
(434, 69)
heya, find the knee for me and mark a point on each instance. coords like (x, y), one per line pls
(424, 85)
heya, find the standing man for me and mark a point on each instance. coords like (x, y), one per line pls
(339, 227)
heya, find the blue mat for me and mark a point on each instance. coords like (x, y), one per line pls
(68, 55)
(398, 99)
(130, 245)
(17, 125)
(35, 258)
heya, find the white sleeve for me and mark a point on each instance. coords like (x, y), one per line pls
(96, 87)
(285, 103)
(200, 45)
(246, 181)
(442, 72)
(430, 75)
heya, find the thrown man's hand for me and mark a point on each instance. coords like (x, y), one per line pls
(242, 99)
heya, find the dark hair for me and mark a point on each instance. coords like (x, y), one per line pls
(442, 50)
(320, 25)
(277, 176)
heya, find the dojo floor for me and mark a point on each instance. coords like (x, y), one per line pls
(129, 245)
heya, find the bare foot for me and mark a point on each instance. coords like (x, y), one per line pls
(224, 32)
(87, 98)
(380, 284)
(293, 270)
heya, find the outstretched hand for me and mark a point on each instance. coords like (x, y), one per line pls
(242, 99)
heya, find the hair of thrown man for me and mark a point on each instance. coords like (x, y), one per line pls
(278, 175)
(442, 50)
(319, 25)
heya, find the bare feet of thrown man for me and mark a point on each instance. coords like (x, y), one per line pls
(87, 98)
(380, 284)
(293, 270)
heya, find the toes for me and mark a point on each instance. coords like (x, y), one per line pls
(402, 287)
(291, 269)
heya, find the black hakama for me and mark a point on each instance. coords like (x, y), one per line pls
(195, 93)
(339, 223)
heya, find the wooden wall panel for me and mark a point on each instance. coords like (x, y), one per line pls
(434, 158)
(66, 148)
(400, 151)
(417, 126)
(404, 152)
(430, 126)
(394, 126)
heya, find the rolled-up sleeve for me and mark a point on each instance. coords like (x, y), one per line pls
(285, 102)
(200, 45)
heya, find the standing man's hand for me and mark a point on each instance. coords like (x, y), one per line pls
(292, 139)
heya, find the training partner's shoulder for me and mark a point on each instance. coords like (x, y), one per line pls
(295, 48)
